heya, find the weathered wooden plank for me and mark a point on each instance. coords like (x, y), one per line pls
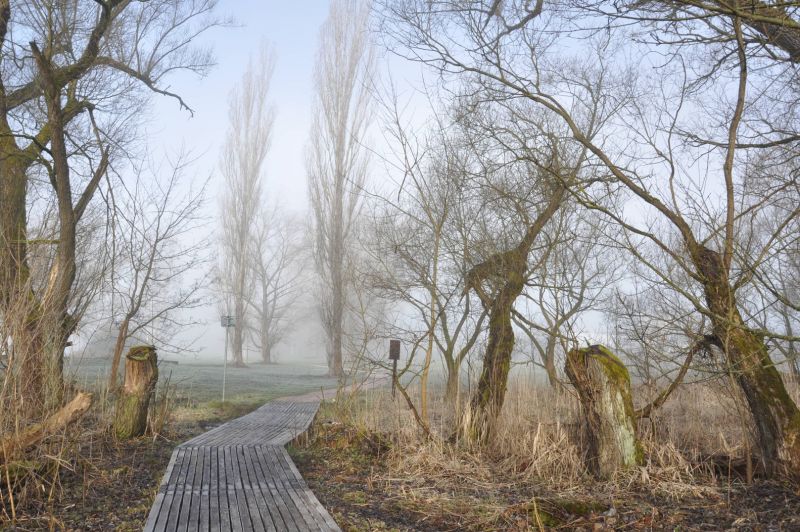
(161, 502)
(295, 488)
(175, 487)
(205, 492)
(270, 510)
(313, 512)
(286, 493)
(196, 491)
(171, 498)
(238, 476)
(280, 520)
(186, 515)
(270, 487)
(214, 524)
(232, 487)
(223, 487)
(241, 492)
(267, 425)
(252, 496)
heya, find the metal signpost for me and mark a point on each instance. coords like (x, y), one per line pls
(394, 356)
(227, 322)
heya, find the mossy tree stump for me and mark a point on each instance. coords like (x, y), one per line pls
(141, 375)
(608, 440)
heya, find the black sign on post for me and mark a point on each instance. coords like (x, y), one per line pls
(394, 349)
(394, 356)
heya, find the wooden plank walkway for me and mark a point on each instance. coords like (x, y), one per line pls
(239, 476)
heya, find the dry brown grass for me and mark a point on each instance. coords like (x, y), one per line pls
(374, 468)
(33, 479)
(698, 437)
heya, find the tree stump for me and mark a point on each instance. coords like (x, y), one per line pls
(608, 440)
(141, 375)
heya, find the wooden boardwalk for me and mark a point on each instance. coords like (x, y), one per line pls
(239, 476)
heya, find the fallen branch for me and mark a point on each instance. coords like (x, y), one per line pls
(15, 444)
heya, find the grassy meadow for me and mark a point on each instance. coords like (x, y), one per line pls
(195, 383)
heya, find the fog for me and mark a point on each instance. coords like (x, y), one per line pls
(293, 35)
(337, 177)
(542, 204)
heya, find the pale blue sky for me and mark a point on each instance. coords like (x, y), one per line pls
(292, 28)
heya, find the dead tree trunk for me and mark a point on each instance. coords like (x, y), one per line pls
(607, 440)
(141, 374)
(15, 444)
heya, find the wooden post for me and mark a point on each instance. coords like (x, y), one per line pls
(141, 375)
(608, 429)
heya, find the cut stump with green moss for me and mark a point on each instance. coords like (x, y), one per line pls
(607, 440)
(141, 375)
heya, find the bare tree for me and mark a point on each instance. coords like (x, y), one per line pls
(251, 117)
(499, 280)
(658, 139)
(276, 274)
(419, 247)
(74, 75)
(337, 160)
(156, 255)
(574, 272)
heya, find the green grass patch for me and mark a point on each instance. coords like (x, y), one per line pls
(199, 383)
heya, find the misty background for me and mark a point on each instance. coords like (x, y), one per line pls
(292, 33)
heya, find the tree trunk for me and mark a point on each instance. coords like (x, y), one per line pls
(141, 375)
(550, 362)
(336, 266)
(607, 440)
(266, 318)
(39, 336)
(776, 416)
(432, 289)
(14, 272)
(453, 378)
(237, 351)
(119, 347)
(20, 311)
(487, 401)
(15, 444)
(41, 339)
(266, 350)
(335, 364)
(505, 270)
